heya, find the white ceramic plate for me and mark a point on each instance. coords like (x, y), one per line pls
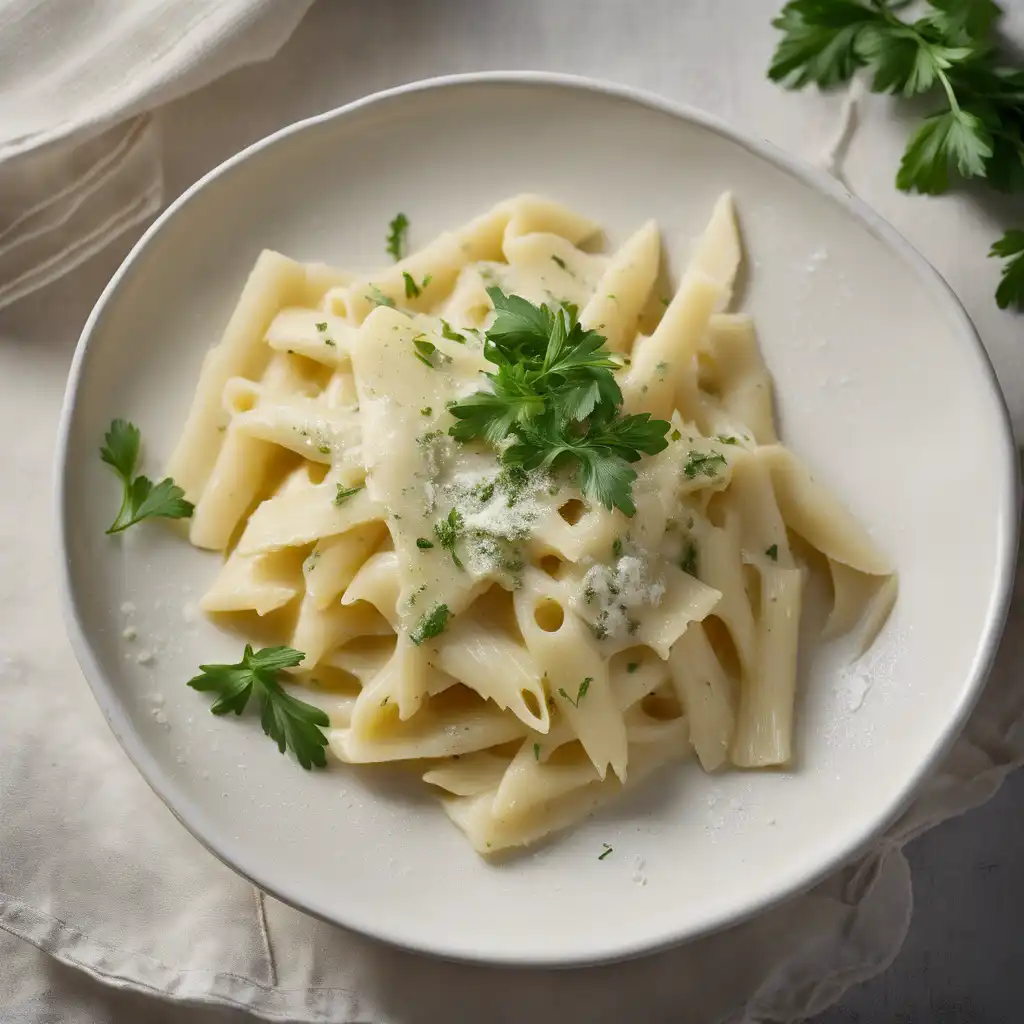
(882, 386)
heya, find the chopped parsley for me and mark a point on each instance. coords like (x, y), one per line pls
(449, 333)
(412, 289)
(607, 849)
(580, 693)
(423, 544)
(703, 464)
(378, 298)
(426, 410)
(617, 547)
(448, 531)
(728, 439)
(397, 236)
(632, 667)
(322, 326)
(536, 751)
(432, 624)
(689, 560)
(344, 493)
(558, 260)
(773, 552)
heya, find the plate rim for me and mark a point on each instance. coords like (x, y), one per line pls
(950, 307)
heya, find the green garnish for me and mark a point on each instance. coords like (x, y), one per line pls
(558, 260)
(344, 493)
(675, 435)
(689, 560)
(728, 439)
(140, 497)
(448, 532)
(950, 53)
(290, 722)
(426, 410)
(448, 332)
(555, 397)
(426, 350)
(324, 449)
(432, 624)
(412, 289)
(617, 547)
(1011, 287)
(773, 552)
(330, 342)
(378, 298)
(396, 236)
(423, 544)
(536, 751)
(607, 850)
(632, 667)
(702, 464)
(322, 326)
(580, 693)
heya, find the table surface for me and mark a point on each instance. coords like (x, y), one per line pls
(962, 958)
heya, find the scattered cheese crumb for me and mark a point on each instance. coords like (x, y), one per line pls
(128, 608)
(130, 633)
(145, 657)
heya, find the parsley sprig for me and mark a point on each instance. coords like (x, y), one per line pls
(554, 401)
(397, 230)
(140, 497)
(948, 52)
(289, 722)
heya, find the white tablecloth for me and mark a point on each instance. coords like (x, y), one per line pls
(97, 873)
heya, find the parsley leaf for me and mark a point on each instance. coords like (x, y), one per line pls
(396, 236)
(140, 497)
(689, 560)
(580, 693)
(289, 722)
(607, 849)
(954, 137)
(412, 289)
(819, 44)
(432, 624)
(378, 298)
(702, 464)
(1011, 288)
(949, 51)
(555, 397)
(773, 552)
(344, 493)
(447, 531)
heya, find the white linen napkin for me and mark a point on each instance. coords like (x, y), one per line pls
(79, 155)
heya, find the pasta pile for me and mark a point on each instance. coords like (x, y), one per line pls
(528, 650)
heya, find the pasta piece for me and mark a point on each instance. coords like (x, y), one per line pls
(377, 583)
(292, 520)
(764, 725)
(490, 834)
(813, 512)
(275, 281)
(312, 333)
(243, 467)
(335, 561)
(471, 774)
(621, 294)
(496, 667)
(258, 583)
(704, 691)
(564, 652)
(741, 380)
